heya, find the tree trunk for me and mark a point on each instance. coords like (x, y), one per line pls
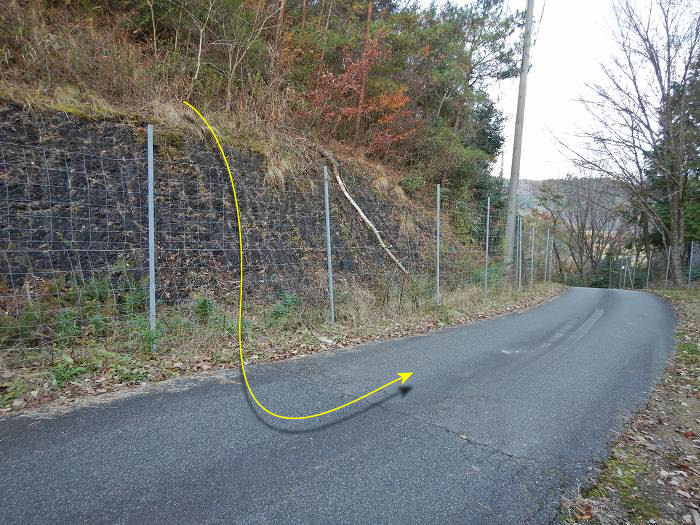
(258, 12)
(280, 23)
(325, 31)
(199, 52)
(177, 29)
(229, 80)
(676, 221)
(442, 102)
(645, 239)
(558, 258)
(361, 98)
(320, 15)
(153, 22)
(202, 29)
(458, 117)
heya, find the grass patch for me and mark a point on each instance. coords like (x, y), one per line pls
(106, 339)
(65, 370)
(687, 304)
(11, 390)
(689, 353)
(621, 475)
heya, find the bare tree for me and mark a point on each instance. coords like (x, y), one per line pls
(153, 23)
(325, 31)
(243, 34)
(202, 27)
(363, 82)
(280, 24)
(588, 214)
(641, 112)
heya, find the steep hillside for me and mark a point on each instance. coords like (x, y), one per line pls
(395, 83)
(76, 196)
(74, 266)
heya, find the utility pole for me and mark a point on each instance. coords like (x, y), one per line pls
(518, 141)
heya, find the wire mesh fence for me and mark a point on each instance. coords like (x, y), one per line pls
(633, 269)
(73, 243)
(75, 248)
(463, 245)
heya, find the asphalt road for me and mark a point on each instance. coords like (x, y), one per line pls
(503, 417)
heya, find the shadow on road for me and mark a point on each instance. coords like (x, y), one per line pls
(402, 391)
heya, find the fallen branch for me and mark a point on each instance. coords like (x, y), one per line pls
(336, 172)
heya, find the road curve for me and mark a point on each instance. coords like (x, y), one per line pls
(502, 418)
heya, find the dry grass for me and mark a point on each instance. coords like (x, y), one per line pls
(407, 226)
(399, 194)
(382, 184)
(82, 62)
(46, 50)
(194, 339)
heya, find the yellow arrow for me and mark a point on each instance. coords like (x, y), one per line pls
(403, 376)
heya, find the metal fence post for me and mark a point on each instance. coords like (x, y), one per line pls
(532, 254)
(549, 263)
(329, 253)
(151, 242)
(488, 231)
(437, 247)
(620, 283)
(546, 256)
(633, 272)
(520, 251)
(668, 265)
(690, 262)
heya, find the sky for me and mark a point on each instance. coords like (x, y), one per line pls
(573, 39)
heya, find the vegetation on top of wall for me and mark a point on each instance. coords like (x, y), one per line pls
(400, 84)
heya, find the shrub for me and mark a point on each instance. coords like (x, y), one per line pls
(410, 184)
(147, 338)
(98, 325)
(134, 299)
(287, 305)
(98, 290)
(65, 371)
(11, 390)
(129, 373)
(68, 325)
(203, 308)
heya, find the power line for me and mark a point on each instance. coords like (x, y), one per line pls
(539, 23)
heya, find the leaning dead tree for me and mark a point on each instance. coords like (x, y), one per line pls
(643, 133)
(336, 172)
